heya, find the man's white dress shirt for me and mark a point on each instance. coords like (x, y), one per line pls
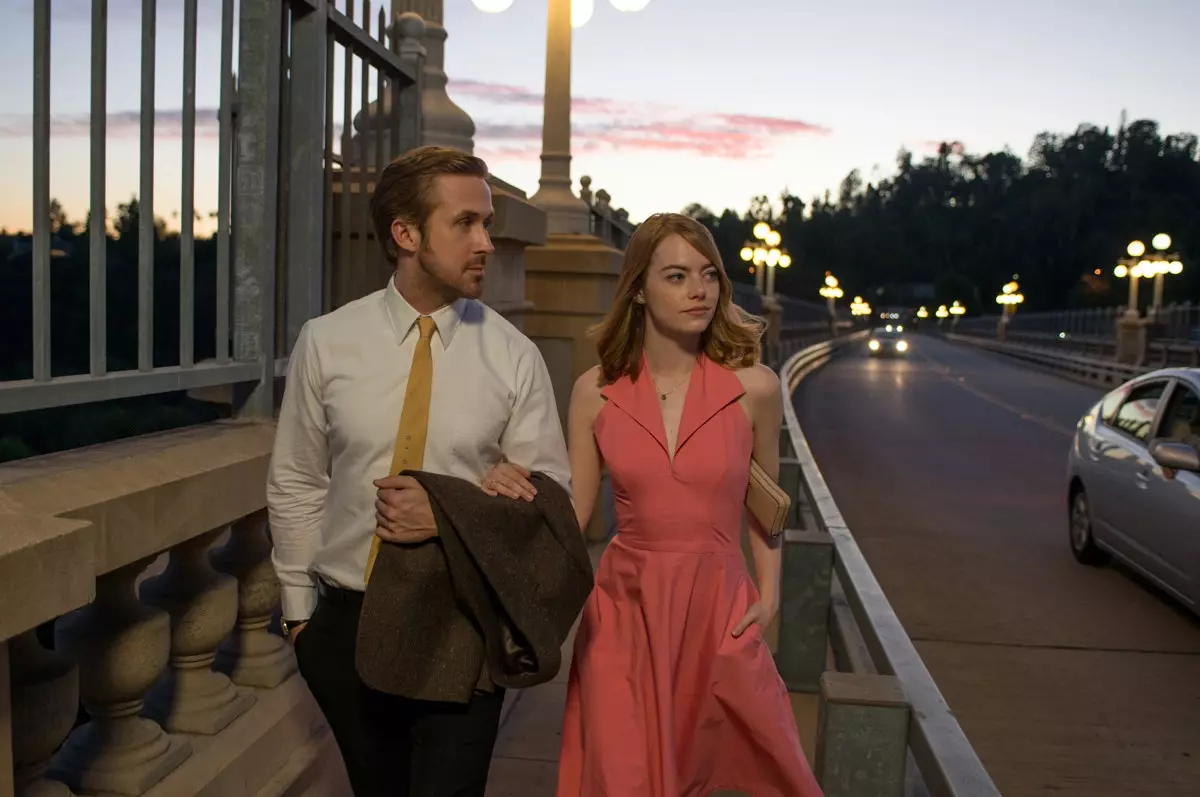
(491, 399)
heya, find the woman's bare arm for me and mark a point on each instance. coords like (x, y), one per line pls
(586, 462)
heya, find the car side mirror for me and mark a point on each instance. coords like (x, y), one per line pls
(1177, 456)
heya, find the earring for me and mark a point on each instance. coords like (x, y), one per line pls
(640, 299)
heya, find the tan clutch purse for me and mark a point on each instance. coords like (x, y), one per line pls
(766, 500)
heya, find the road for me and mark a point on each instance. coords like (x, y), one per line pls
(949, 469)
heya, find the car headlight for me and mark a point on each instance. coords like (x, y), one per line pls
(902, 345)
(873, 345)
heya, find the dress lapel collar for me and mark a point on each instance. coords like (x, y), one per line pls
(712, 388)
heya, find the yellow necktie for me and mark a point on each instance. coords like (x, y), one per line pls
(409, 453)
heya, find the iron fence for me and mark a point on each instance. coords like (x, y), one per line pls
(279, 185)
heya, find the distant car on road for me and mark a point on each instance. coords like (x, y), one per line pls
(887, 340)
(1133, 477)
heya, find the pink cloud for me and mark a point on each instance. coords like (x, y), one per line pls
(601, 124)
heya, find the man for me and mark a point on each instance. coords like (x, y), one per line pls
(421, 376)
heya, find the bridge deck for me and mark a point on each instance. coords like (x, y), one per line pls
(949, 467)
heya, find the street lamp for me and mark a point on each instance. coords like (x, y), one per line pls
(922, 313)
(565, 213)
(764, 254)
(831, 292)
(859, 308)
(942, 312)
(1139, 265)
(957, 309)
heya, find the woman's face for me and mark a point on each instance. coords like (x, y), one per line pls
(681, 288)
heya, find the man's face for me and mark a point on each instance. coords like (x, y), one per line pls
(456, 243)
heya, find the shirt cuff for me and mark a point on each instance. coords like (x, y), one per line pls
(298, 602)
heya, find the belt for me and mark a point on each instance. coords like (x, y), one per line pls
(339, 596)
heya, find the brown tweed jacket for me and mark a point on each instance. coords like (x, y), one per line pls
(501, 586)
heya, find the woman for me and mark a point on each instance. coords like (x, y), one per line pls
(672, 689)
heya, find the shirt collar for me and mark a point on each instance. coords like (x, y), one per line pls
(404, 317)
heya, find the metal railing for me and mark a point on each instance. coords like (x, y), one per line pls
(276, 188)
(867, 637)
(1178, 322)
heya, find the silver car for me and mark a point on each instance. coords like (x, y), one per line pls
(1134, 481)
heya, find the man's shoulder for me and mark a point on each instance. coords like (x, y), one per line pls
(349, 319)
(495, 328)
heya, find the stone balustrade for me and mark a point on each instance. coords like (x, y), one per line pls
(138, 593)
(609, 224)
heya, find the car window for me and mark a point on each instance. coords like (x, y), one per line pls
(1108, 407)
(1137, 413)
(1181, 421)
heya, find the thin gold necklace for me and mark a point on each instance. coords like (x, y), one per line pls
(663, 395)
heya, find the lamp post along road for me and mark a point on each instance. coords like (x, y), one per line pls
(566, 213)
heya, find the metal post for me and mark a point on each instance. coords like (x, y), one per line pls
(256, 199)
(306, 200)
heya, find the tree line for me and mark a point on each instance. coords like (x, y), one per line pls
(965, 223)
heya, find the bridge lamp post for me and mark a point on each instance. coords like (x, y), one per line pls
(832, 293)
(764, 255)
(565, 212)
(956, 310)
(1139, 265)
(859, 308)
(942, 313)
(922, 313)
(1009, 297)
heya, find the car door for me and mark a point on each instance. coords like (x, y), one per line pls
(1172, 520)
(1120, 452)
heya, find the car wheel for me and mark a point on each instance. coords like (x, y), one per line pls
(1083, 545)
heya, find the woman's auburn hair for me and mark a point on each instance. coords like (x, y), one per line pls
(731, 339)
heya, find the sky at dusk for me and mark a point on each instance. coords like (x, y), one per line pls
(710, 101)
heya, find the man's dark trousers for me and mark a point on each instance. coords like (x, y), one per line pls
(392, 746)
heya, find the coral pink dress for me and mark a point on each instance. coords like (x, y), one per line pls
(662, 700)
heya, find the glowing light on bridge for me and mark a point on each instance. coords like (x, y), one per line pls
(859, 308)
(922, 313)
(942, 312)
(764, 255)
(1140, 265)
(957, 309)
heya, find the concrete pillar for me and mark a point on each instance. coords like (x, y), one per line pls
(772, 350)
(566, 213)
(122, 647)
(862, 736)
(1131, 338)
(191, 697)
(45, 702)
(444, 123)
(518, 224)
(805, 583)
(252, 655)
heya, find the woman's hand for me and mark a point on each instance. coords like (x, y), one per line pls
(509, 479)
(760, 613)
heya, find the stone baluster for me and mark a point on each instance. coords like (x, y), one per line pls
(122, 647)
(252, 655)
(603, 198)
(190, 697)
(585, 189)
(45, 703)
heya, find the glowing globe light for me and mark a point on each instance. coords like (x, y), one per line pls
(1136, 249)
(1161, 241)
(581, 12)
